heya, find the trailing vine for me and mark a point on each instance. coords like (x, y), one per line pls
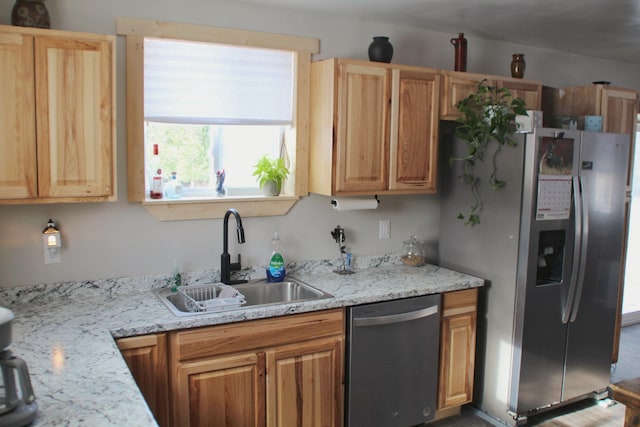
(487, 123)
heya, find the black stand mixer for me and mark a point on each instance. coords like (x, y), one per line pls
(17, 401)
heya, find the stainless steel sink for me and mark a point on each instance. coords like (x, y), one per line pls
(256, 294)
(264, 293)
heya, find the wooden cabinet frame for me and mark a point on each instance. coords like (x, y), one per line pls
(135, 30)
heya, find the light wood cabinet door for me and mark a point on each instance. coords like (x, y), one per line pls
(457, 348)
(304, 384)
(146, 357)
(18, 175)
(458, 86)
(529, 92)
(362, 158)
(620, 109)
(74, 108)
(414, 128)
(221, 392)
(57, 116)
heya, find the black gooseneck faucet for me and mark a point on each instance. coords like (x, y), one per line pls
(226, 266)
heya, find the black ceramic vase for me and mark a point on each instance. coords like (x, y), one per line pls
(30, 13)
(380, 50)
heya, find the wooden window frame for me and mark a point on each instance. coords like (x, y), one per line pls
(135, 30)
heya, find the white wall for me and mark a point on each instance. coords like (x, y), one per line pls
(121, 239)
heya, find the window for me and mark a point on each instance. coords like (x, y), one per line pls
(198, 154)
(215, 99)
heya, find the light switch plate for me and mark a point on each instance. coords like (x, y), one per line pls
(384, 229)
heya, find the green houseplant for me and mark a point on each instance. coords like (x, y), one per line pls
(487, 123)
(270, 174)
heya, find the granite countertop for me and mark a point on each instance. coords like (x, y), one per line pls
(65, 332)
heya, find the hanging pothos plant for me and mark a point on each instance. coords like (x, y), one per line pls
(487, 123)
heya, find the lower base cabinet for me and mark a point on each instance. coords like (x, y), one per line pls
(279, 372)
(457, 348)
(225, 391)
(146, 357)
(282, 371)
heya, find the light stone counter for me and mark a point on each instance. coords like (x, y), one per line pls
(65, 332)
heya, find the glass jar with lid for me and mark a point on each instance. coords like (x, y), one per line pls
(413, 253)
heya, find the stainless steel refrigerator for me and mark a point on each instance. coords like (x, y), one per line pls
(549, 245)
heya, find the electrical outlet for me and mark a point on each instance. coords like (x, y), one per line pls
(384, 231)
(52, 256)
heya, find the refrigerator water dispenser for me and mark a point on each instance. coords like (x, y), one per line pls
(551, 245)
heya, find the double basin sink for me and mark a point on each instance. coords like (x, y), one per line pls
(256, 294)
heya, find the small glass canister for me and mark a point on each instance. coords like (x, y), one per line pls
(413, 253)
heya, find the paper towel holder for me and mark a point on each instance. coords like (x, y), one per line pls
(334, 202)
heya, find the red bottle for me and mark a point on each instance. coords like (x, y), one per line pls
(460, 45)
(157, 189)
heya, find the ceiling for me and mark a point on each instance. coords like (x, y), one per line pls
(607, 29)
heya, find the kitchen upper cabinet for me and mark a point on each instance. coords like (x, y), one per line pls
(146, 357)
(457, 348)
(273, 372)
(617, 106)
(57, 116)
(373, 128)
(529, 91)
(458, 86)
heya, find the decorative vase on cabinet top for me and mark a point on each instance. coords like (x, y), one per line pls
(518, 65)
(380, 50)
(30, 13)
(460, 46)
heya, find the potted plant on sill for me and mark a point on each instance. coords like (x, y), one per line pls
(270, 174)
(487, 123)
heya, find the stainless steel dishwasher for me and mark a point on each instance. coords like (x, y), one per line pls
(392, 362)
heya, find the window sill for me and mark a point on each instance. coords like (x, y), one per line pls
(189, 209)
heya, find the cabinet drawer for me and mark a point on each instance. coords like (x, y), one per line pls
(459, 302)
(256, 334)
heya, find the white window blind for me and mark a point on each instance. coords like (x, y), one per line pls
(206, 83)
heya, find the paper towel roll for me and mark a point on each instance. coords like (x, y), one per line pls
(352, 204)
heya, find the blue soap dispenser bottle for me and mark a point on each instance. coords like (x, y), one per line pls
(276, 269)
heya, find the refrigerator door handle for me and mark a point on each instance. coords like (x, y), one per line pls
(577, 243)
(583, 248)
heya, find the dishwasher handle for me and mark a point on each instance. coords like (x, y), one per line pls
(390, 319)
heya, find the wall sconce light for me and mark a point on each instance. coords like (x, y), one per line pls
(51, 242)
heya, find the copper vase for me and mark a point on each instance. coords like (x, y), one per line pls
(518, 65)
(460, 45)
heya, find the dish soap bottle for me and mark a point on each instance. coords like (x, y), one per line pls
(276, 267)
